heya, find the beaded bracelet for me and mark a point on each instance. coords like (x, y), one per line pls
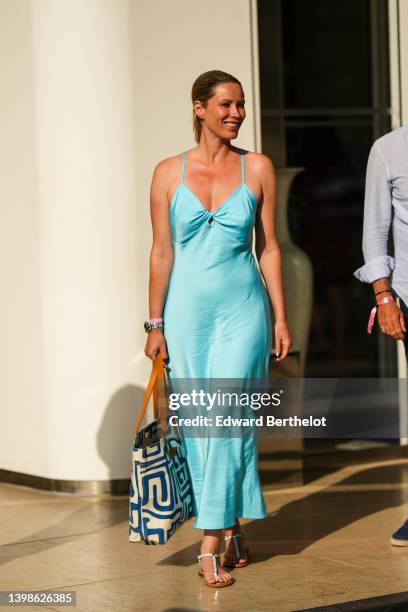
(383, 291)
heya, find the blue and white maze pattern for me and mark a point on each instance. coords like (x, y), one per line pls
(160, 491)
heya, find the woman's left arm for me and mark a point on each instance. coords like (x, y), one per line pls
(268, 252)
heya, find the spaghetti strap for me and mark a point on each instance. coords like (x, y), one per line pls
(183, 165)
(242, 167)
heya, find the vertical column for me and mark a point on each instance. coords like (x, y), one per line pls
(88, 223)
(403, 67)
(22, 400)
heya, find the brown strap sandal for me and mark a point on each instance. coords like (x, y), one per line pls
(218, 584)
(234, 538)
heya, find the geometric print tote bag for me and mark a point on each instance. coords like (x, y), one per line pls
(160, 497)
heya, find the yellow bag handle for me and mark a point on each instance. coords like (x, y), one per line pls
(157, 374)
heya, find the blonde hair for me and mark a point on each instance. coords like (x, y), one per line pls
(203, 90)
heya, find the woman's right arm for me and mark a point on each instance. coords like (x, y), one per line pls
(161, 256)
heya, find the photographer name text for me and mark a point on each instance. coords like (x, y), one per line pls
(260, 421)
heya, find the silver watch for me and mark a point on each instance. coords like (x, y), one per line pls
(155, 325)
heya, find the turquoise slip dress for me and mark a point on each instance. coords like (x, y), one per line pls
(217, 324)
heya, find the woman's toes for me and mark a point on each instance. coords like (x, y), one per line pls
(209, 576)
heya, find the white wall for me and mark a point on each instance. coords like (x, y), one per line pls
(94, 93)
(174, 42)
(23, 409)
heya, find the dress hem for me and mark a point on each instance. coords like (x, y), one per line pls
(230, 523)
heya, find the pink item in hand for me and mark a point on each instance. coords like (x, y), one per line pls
(371, 318)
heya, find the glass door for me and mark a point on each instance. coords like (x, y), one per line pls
(325, 97)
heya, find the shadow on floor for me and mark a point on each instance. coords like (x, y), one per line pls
(288, 531)
(302, 522)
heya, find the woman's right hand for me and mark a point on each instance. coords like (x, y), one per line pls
(156, 343)
(391, 320)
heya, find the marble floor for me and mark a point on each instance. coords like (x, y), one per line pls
(323, 543)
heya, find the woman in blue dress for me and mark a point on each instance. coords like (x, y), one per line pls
(208, 305)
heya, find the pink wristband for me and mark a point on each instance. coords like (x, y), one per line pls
(156, 320)
(373, 312)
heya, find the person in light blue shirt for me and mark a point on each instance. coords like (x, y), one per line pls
(385, 208)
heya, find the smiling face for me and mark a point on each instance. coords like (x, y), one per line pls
(224, 111)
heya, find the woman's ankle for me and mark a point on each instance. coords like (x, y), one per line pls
(229, 531)
(211, 540)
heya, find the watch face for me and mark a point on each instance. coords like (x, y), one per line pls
(146, 326)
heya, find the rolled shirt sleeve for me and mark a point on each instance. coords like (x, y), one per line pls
(377, 219)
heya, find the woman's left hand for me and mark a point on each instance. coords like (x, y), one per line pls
(283, 340)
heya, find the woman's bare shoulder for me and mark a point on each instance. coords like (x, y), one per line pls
(260, 167)
(168, 165)
(166, 173)
(259, 162)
